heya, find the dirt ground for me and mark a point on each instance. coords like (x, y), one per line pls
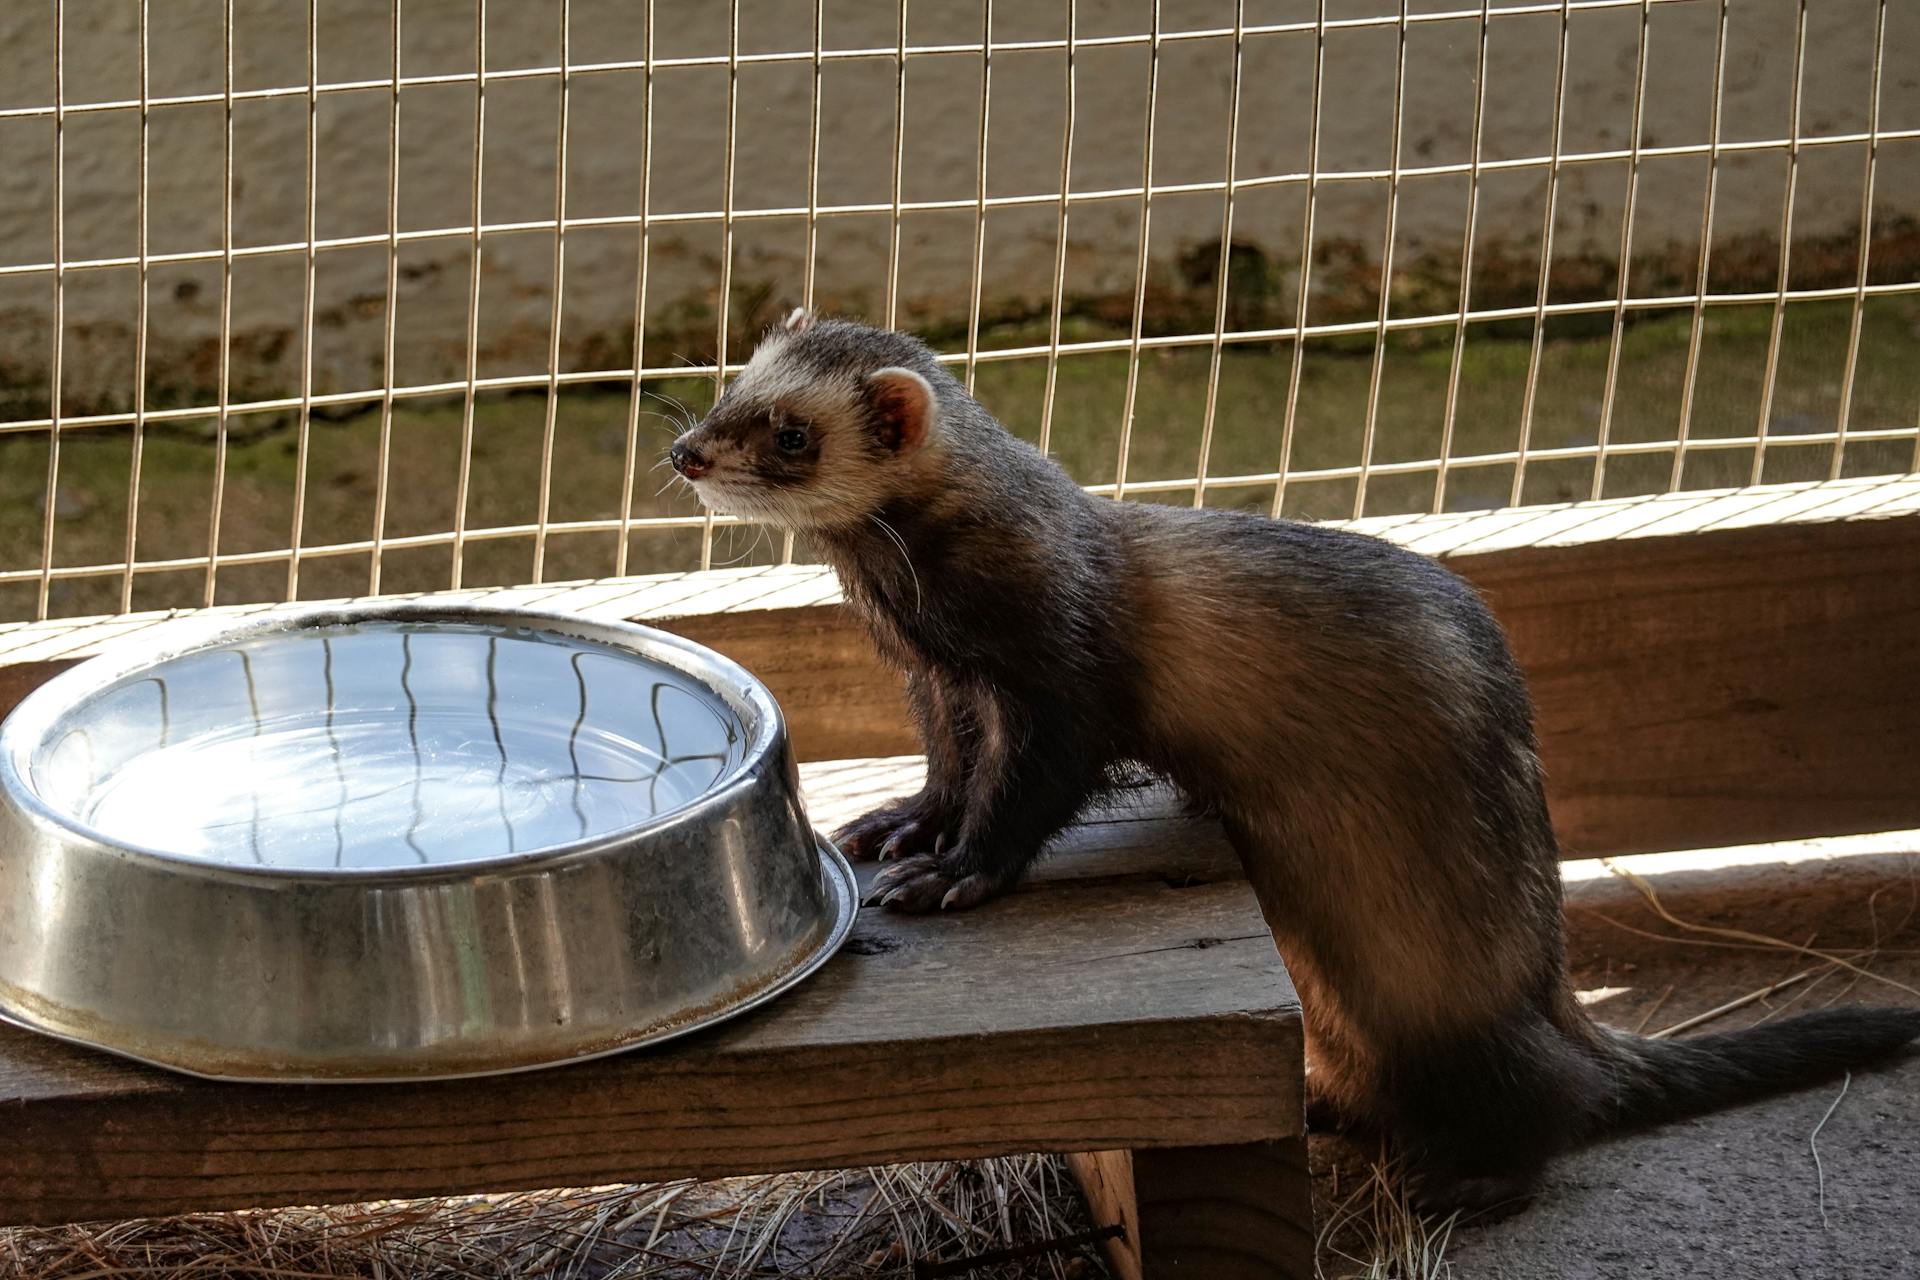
(1737, 1194)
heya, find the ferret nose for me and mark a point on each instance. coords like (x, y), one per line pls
(687, 460)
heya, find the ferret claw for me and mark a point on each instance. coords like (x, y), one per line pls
(889, 832)
(923, 883)
(970, 892)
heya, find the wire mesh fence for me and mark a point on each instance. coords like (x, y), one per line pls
(306, 300)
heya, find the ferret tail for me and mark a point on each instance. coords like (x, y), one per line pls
(1654, 1081)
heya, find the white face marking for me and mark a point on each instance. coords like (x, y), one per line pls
(848, 485)
(846, 488)
(769, 379)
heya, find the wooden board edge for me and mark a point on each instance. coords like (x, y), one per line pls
(1105, 1179)
(1848, 578)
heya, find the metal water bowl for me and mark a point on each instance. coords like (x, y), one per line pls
(403, 842)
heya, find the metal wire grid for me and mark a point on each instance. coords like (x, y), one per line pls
(644, 220)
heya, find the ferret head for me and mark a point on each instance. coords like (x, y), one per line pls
(824, 426)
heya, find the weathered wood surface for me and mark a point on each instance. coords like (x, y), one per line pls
(1237, 1212)
(1101, 1006)
(786, 621)
(1721, 687)
(1240, 1211)
(1106, 1182)
(818, 663)
(1709, 668)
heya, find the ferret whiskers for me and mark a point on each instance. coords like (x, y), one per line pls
(752, 546)
(900, 542)
(682, 415)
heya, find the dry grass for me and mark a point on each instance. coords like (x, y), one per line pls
(866, 1223)
(1370, 1232)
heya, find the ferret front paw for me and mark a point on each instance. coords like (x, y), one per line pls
(926, 882)
(906, 826)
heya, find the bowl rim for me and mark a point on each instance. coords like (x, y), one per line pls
(731, 684)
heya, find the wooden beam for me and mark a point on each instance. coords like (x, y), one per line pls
(1709, 668)
(1237, 1212)
(1241, 1211)
(840, 701)
(1097, 1007)
(1106, 1182)
(1721, 687)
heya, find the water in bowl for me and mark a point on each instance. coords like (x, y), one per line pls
(388, 744)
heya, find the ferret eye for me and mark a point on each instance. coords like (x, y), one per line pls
(791, 440)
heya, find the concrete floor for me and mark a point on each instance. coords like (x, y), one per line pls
(1736, 1195)
(1731, 1195)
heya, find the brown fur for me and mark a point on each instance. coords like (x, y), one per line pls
(1347, 708)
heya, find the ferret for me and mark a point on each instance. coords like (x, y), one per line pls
(1349, 710)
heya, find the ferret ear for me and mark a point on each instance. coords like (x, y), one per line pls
(905, 406)
(799, 320)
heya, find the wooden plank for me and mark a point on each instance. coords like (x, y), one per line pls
(1106, 1180)
(817, 662)
(1101, 1011)
(1232, 1212)
(1732, 682)
(1721, 688)
(1238, 1212)
(1710, 668)
(785, 620)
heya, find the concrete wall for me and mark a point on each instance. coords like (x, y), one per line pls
(943, 94)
